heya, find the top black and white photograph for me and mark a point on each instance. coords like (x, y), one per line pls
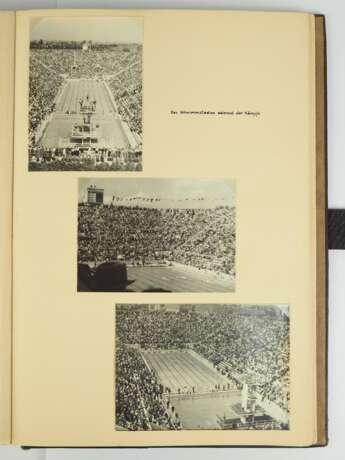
(156, 235)
(85, 94)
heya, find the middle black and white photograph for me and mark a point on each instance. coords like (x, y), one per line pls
(156, 235)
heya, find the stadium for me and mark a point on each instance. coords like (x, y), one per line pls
(216, 367)
(145, 235)
(85, 105)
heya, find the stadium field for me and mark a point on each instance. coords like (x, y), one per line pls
(203, 413)
(178, 278)
(66, 114)
(76, 89)
(184, 370)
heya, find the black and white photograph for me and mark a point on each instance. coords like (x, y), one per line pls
(156, 235)
(202, 367)
(85, 94)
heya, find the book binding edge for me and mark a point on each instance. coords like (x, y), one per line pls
(321, 231)
(7, 45)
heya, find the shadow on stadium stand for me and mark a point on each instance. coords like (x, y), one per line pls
(107, 277)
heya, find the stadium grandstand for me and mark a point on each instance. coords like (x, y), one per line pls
(202, 367)
(181, 245)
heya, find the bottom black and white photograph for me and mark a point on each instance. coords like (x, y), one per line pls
(202, 367)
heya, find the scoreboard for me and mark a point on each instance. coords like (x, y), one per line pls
(95, 195)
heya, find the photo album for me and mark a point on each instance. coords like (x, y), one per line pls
(163, 228)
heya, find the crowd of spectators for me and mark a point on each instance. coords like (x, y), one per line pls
(44, 85)
(128, 97)
(202, 238)
(140, 400)
(253, 346)
(52, 62)
(102, 159)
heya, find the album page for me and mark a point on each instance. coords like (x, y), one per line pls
(164, 254)
(7, 31)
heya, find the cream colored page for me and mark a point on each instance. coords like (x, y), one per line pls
(205, 60)
(7, 32)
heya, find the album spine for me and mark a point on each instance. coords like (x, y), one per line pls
(321, 230)
(7, 73)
